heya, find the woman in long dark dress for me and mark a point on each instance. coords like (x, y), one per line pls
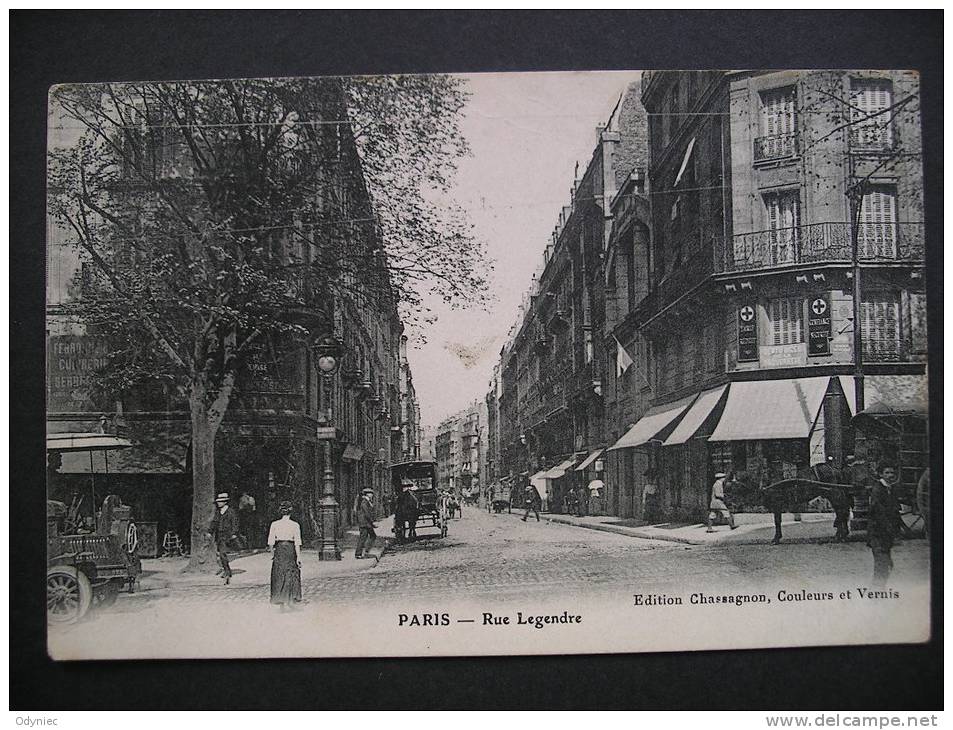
(284, 539)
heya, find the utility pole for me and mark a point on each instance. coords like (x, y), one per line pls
(855, 194)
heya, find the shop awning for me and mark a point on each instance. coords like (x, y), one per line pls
(85, 442)
(538, 480)
(589, 459)
(352, 452)
(558, 472)
(652, 424)
(151, 447)
(771, 409)
(696, 415)
(889, 394)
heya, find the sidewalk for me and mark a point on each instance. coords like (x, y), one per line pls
(752, 528)
(253, 568)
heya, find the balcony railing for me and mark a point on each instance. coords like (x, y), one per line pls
(820, 242)
(775, 147)
(871, 138)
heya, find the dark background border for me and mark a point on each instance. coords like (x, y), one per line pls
(56, 47)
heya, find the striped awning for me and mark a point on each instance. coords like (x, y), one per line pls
(696, 415)
(651, 425)
(771, 409)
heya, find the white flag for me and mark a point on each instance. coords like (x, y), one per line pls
(622, 359)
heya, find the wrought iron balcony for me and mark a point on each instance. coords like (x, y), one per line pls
(871, 138)
(820, 242)
(775, 147)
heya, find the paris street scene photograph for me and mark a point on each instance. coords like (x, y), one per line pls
(514, 363)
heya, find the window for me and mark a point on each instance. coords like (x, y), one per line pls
(783, 212)
(777, 112)
(877, 235)
(879, 317)
(869, 99)
(918, 322)
(787, 321)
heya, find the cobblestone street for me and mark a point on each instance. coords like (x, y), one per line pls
(499, 556)
(487, 563)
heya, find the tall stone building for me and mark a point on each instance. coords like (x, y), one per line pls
(551, 370)
(267, 442)
(461, 450)
(759, 184)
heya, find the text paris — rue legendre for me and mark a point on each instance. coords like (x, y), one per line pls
(784, 596)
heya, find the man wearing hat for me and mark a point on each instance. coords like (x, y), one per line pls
(223, 529)
(717, 504)
(365, 522)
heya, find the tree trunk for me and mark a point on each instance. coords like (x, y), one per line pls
(203, 556)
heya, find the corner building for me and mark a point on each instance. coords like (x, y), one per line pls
(759, 183)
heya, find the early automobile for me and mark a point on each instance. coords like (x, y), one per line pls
(422, 476)
(86, 569)
(89, 560)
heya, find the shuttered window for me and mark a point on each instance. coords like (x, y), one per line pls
(878, 223)
(870, 128)
(787, 320)
(918, 322)
(783, 212)
(880, 328)
(778, 116)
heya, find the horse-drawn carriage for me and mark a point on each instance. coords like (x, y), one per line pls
(421, 476)
(500, 498)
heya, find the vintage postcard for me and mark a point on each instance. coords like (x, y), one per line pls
(517, 363)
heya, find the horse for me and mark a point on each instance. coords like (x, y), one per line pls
(789, 493)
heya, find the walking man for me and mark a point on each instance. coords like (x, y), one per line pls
(405, 518)
(717, 505)
(365, 523)
(223, 530)
(883, 522)
(533, 501)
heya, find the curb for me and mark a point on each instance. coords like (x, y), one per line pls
(639, 534)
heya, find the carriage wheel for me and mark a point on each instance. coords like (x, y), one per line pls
(68, 594)
(132, 537)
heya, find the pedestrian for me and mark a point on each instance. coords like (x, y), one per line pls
(717, 504)
(247, 519)
(284, 539)
(883, 522)
(650, 496)
(223, 531)
(405, 518)
(532, 500)
(582, 499)
(365, 523)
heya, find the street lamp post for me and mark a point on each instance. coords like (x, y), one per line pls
(328, 352)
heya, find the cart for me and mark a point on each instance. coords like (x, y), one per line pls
(500, 498)
(422, 475)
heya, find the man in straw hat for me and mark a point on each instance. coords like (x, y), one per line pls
(365, 522)
(717, 506)
(223, 529)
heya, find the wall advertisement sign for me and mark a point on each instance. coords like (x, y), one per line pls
(747, 333)
(818, 326)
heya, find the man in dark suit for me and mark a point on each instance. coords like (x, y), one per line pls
(405, 517)
(365, 523)
(883, 522)
(532, 500)
(223, 530)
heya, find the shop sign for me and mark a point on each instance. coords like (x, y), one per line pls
(747, 334)
(819, 327)
(71, 363)
(782, 356)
